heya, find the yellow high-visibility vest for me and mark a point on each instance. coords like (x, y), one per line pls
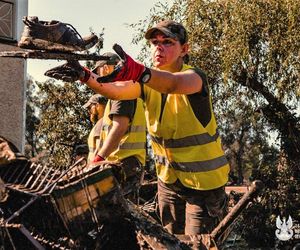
(183, 148)
(94, 140)
(133, 143)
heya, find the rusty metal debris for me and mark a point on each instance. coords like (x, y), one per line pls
(224, 226)
(84, 207)
(59, 55)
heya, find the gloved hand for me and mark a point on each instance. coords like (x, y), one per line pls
(98, 158)
(69, 72)
(127, 69)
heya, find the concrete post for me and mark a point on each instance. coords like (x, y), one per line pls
(13, 74)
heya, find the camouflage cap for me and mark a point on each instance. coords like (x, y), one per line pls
(171, 29)
(97, 98)
(113, 60)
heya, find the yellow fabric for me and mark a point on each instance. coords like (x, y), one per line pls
(94, 140)
(180, 126)
(133, 143)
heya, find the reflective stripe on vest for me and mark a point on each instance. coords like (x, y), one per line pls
(135, 129)
(133, 142)
(132, 145)
(94, 140)
(191, 140)
(196, 166)
(183, 148)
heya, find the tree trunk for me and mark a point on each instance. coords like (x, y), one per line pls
(279, 115)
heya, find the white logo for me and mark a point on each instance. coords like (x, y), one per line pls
(284, 231)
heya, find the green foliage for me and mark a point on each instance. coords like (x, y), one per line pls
(63, 121)
(32, 120)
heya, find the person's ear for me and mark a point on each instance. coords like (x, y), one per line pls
(106, 69)
(184, 49)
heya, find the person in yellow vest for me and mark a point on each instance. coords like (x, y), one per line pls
(190, 163)
(122, 137)
(96, 106)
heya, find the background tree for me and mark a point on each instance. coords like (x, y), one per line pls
(250, 52)
(64, 123)
(32, 120)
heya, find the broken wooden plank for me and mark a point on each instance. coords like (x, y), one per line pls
(42, 54)
(228, 220)
(153, 233)
(200, 241)
(237, 189)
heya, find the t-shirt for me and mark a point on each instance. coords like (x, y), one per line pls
(199, 101)
(123, 108)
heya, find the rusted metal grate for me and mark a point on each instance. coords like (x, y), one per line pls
(33, 178)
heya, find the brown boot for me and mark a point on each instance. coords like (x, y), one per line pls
(54, 36)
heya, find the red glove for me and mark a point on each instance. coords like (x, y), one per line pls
(127, 69)
(87, 74)
(98, 158)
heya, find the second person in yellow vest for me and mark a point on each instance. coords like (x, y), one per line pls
(122, 137)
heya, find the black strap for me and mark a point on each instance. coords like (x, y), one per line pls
(163, 102)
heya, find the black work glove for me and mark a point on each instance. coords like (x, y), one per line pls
(127, 69)
(69, 72)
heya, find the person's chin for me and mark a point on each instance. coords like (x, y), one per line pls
(158, 64)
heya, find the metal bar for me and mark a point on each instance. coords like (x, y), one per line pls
(10, 239)
(37, 178)
(29, 172)
(29, 237)
(13, 173)
(17, 213)
(43, 180)
(255, 188)
(23, 168)
(17, 188)
(33, 173)
(53, 184)
(90, 202)
(53, 201)
(52, 177)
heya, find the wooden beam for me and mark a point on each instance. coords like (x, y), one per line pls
(40, 54)
(228, 220)
(153, 233)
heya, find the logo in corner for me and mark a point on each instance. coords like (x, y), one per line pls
(284, 230)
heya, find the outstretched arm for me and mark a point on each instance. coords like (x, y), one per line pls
(186, 82)
(72, 71)
(122, 83)
(122, 90)
(119, 127)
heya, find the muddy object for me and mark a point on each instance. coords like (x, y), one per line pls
(9, 152)
(81, 207)
(152, 233)
(53, 55)
(53, 35)
(223, 227)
